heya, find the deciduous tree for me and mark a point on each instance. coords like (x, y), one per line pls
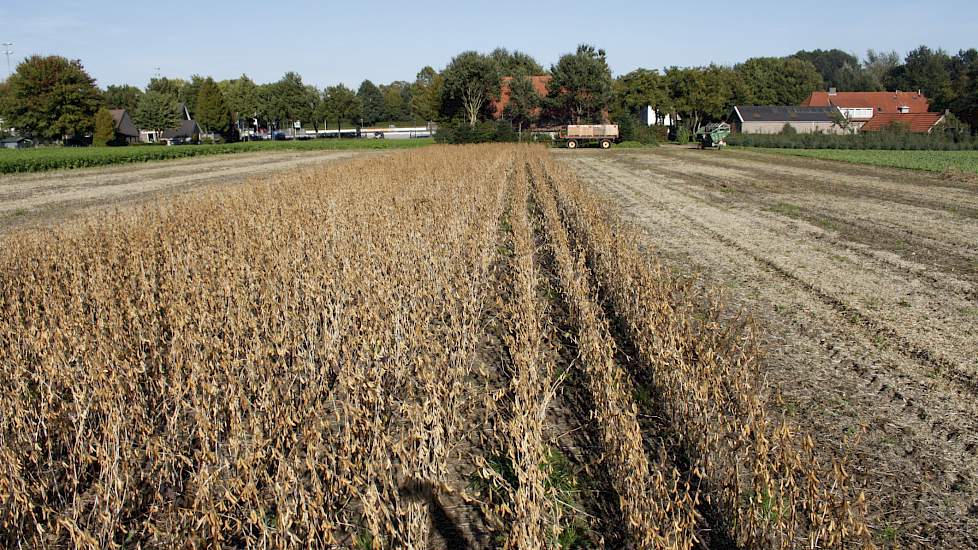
(580, 90)
(288, 99)
(641, 87)
(371, 103)
(523, 101)
(839, 70)
(397, 101)
(212, 112)
(341, 104)
(157, 111)
(190, 91)
(779, 80)
(512, 63)
(700, 94)
(167, 86)
(104, 128)
(426, 95)
(927, 70)
(880, 66)
(52, 98)
(122, 97)
(471, 81)
(241, 97)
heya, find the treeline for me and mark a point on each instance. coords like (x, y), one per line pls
(54, 99)
(702, 94)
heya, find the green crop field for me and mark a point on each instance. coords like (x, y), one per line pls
(933, 161)
(58, 158)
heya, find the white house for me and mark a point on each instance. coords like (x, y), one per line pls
(651, 117)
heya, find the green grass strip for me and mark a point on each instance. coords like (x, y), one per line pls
(931, 161)
(63, 158)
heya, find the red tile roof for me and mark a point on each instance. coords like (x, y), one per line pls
(917, 122)
(539, 84)
(881, 102)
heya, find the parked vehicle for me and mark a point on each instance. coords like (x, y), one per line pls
(713, 135)
(575, 135)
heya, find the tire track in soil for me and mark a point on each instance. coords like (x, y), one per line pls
(918, 455)
(953, 371)
(41, 198)
(934, 250)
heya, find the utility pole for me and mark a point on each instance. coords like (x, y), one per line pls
(8, 51)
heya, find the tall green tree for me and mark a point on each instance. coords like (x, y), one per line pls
(341, 104)
(426, 95)
(524, 101)
(927, 70)
(287, 100)
(104, 133)
(702, 94)
(779, 80)
(212, 112)
(122, 97)
(313, 110)
(397, 101)
(167, 86)
(471, 81)
(964, 72)
(512, 63)
(371, 103)
(580, 90)
(840, 70)
(881, 66)
(157, 111)
(5, 108)
(52, 98)
(642, 87)
(190, 91)
(241, 97)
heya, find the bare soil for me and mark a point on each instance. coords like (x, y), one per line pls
(864, 283)
(36, 199)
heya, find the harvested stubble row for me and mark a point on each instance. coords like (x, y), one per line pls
(771, 489)
(300, 363)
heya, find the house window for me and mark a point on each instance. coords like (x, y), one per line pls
(904, 109)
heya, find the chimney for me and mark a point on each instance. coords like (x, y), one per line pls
(832, 91)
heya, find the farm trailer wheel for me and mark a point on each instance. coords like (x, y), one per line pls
(605, 144)
(572, 144)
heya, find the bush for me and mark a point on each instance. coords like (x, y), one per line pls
(104, 128)
(683, 135)
(788, 130)
(661, 133)
(456, 131)
(888, 140)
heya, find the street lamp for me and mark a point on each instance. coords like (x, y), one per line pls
(8, 51)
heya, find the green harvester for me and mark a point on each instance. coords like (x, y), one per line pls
(712, 136)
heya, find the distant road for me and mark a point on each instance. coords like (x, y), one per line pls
(41, 198)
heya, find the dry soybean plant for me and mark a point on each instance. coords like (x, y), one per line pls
(764, 477)
(301, 363)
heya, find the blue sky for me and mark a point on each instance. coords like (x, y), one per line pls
(330, 42)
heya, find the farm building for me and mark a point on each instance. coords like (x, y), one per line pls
(652, 117)
(771, 119)
(188, 131)
(920, 123)
(124, 128)
(498, 106)
(861, 107)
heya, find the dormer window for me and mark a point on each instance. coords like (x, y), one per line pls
(904, 109)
